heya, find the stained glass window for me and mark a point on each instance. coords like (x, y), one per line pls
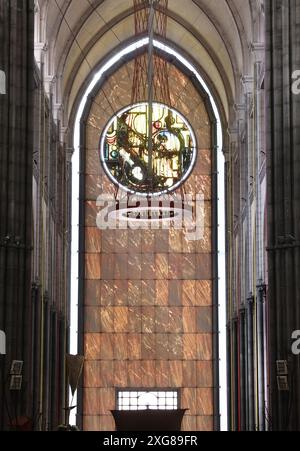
(140, 166)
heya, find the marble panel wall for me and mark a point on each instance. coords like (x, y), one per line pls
(148, 293)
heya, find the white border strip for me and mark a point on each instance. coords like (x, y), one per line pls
(221, 217)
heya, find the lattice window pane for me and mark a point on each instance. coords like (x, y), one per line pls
(153, 400)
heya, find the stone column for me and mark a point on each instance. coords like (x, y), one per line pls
(16, 111)
(283, 173)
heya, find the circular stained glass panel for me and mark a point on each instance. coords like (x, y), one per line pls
(146, 165)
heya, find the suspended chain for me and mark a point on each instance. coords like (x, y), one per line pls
(161, 91)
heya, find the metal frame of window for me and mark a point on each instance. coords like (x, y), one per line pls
(130, 399)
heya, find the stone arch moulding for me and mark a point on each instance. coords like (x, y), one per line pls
(79, 113)
(70, 111)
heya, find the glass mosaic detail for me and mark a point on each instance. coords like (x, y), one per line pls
(128, 159)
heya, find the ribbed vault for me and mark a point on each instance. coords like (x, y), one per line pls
(220, 36)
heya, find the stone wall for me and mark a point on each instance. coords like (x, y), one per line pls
(16, 145)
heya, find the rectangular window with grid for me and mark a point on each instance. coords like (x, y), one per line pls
(143, 400)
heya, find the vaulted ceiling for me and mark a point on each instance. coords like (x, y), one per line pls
(222, 37)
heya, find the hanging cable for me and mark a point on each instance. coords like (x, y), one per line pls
(159, 63)
(161, 19)
(150, 89)
(63, 14)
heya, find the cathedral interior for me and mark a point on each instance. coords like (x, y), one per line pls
(150, 215)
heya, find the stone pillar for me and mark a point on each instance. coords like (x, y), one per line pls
(283, 173)
(16, 111)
